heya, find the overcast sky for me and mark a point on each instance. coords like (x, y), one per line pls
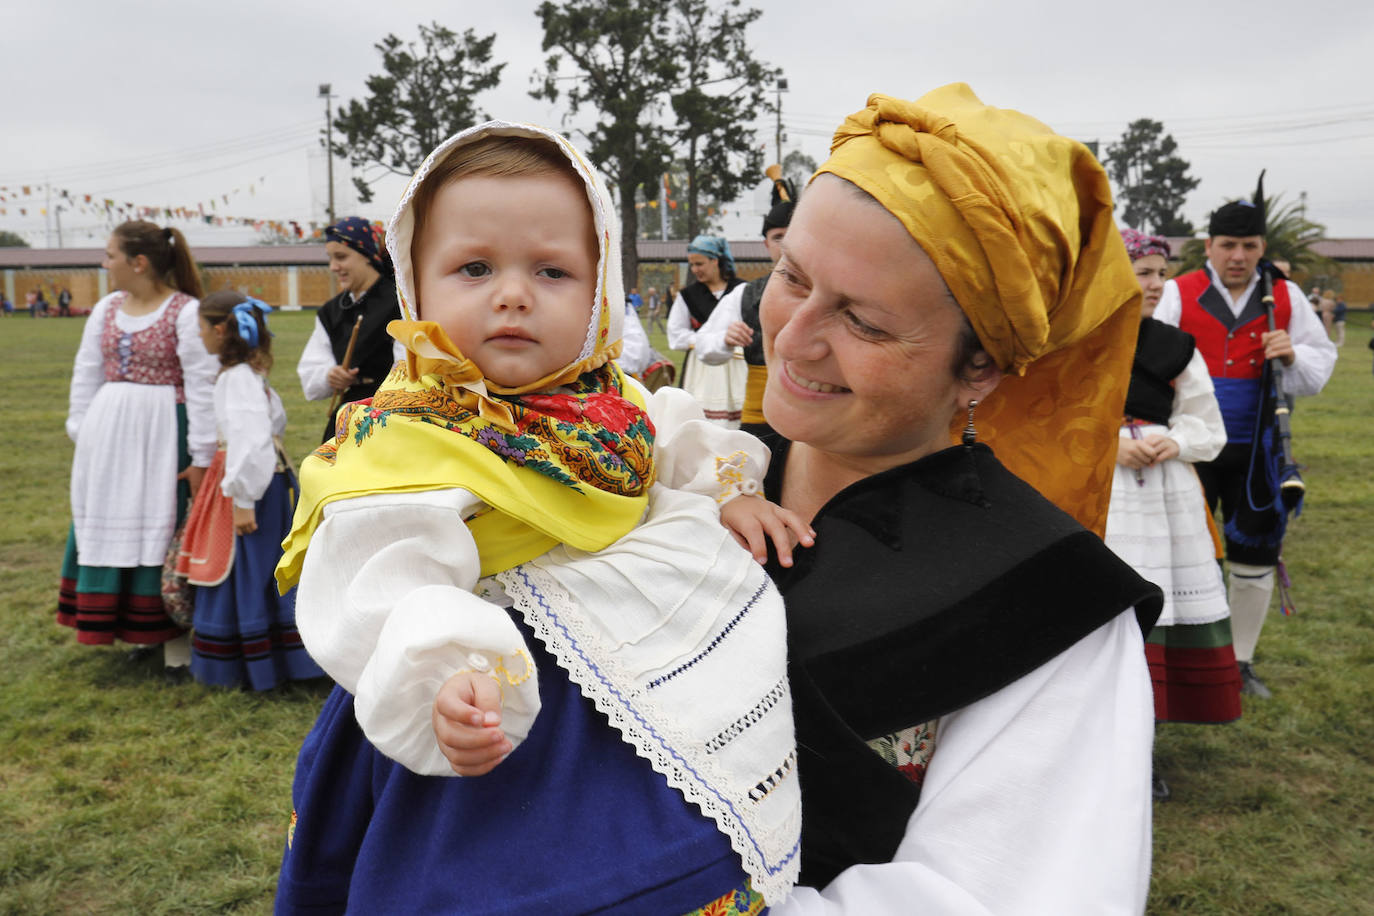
(176, 104)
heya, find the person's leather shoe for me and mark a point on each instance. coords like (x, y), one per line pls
(1159, 789)
(1250, 683)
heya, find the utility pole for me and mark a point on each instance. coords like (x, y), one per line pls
(328, 144)
(58, 214)
(777, 136)
(663, 208)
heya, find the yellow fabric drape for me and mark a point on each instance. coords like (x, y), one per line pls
(757, 381)
(1018, 221)
(531, 512)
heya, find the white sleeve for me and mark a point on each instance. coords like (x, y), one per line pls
(637, 353)
(680, 333)
(398, 351)
(243, 412)
(199, 367)
(1314, 355)
(1037, 799)
(696, 455)
(710, 338)
(1170, 307)
(88, 369)
(316, 360)
(1195, 421)
(386, 607)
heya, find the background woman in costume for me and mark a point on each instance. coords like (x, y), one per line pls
(244, 633)
(735, 322)
(509, 480)
(970, 688)
(358, 258)
(1159, 521)
(141, 414)
(718, 389)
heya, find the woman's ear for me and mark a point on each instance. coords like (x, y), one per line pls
(980, 379)
(139, 262)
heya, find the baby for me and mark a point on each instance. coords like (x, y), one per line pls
(641, 744)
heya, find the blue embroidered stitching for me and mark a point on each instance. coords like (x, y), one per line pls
(552, 615)
(656, 682)
(736, 728)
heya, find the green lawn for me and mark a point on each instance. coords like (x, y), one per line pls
(119, 794)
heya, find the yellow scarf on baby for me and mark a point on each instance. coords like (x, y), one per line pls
(568, 466)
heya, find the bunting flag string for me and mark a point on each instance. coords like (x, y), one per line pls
(93, 204)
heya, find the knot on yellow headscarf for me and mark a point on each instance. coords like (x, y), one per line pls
(430, 352)
(1018, 221)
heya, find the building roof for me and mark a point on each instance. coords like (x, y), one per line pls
(650, 251)
(268, 255)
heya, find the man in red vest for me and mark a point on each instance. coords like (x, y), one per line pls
(1221, 306)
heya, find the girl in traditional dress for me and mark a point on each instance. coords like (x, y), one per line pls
(142, 418)
(719, 389)
(244, 633)
(512, 562)
(1158, 519)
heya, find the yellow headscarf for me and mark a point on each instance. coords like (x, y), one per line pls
(1018, 221)
(565, 459)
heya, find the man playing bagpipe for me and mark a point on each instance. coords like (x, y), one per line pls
(1260, 355)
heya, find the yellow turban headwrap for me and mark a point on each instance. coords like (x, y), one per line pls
(1018, 221)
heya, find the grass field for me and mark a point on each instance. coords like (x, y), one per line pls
(119, 794)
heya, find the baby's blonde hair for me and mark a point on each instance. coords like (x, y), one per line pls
(492, 155)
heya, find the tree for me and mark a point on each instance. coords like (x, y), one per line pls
(721, 89)
(1289, 236)
(1152, 180)
(624, 69)
(708, 214)
(12, 240)
(798, 168)
(425, 95)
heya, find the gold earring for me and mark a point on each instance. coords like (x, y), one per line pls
(970, 434)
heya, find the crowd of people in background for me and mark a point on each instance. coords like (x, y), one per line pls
(868, 425)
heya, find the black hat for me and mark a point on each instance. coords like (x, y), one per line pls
(784, 199)
(1240, 218)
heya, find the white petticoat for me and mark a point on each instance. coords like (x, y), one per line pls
(718, 389)
(124, 476)
(1159, 527)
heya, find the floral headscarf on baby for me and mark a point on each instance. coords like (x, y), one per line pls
(565, 459)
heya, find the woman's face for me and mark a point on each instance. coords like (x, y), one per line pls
(860, 334)
(1151, 271)
(119, 266)
(355, 273)
(706, 270)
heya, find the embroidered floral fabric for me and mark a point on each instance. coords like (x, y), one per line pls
(153, 359)
(586, 432)
(909, 750)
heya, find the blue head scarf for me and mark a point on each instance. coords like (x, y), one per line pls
(245, 321)
(713, 246)
(364, 237)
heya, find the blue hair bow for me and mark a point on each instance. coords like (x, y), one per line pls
(247, 324)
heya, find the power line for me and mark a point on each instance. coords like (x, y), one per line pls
(88, 172)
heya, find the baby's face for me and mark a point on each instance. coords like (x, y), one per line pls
(507, 267)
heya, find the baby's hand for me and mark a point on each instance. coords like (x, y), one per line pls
(752, 519)
(467, 723)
